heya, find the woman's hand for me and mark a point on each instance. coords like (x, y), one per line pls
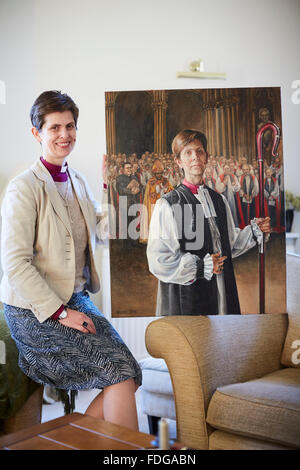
(218, 262)
(76, 319)
(264, 224)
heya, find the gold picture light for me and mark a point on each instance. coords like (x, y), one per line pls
(197, 71)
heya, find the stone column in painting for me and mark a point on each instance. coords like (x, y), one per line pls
(160, 117)
(208, 107)
(110, 101)
(229, 123)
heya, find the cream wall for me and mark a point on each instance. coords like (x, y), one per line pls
(86, 48)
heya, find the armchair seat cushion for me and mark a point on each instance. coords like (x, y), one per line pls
(267, 408)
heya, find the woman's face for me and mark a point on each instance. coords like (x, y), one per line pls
(193, 159)
(57, 136)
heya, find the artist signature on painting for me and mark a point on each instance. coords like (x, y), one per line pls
(126, 312)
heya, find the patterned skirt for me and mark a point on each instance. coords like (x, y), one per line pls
(65, 358)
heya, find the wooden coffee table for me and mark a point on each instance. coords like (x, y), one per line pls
(76, 432)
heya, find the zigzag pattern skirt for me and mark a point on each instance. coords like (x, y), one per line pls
(62, 357)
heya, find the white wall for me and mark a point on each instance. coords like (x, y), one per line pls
(86, 48)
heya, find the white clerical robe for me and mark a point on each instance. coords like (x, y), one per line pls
(169, 264)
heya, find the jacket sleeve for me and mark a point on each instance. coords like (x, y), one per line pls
(19, 219)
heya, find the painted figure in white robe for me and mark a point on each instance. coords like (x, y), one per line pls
(209, 180)
(193, 238)
(249, 190)
(271, 194)
(228, 185)
(277, 171)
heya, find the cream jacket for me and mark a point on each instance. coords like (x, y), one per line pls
(37, 248)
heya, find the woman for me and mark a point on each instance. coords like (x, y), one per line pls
(50, 225)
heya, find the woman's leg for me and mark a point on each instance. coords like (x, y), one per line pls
(116, 404)
(95, 409)
(119, 404)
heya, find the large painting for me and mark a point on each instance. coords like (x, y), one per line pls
(140, 127)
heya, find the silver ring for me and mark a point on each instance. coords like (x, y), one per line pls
(85, 324)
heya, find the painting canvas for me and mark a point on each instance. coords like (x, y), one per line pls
(140, 127)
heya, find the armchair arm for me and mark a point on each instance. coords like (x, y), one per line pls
(205, 352)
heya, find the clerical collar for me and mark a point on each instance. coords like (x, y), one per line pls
(193, 187)
(203, 197)
(58, 173)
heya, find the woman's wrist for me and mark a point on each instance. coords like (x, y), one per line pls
(56, 314)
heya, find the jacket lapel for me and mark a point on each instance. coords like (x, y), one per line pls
(81, 195)
(42, 173)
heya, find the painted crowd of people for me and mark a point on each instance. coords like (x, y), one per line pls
(146, 178)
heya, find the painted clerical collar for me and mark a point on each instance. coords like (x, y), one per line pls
(58, 173)
(203, 197)
(192, 187)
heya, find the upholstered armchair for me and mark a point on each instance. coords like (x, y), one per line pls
(234, 383)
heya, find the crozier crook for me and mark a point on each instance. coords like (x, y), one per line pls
(276, 138)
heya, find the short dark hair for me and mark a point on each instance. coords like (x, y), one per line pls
(126, 163)
(51, 102)
(184, 138)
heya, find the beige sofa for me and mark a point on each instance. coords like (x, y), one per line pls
(235, 378)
